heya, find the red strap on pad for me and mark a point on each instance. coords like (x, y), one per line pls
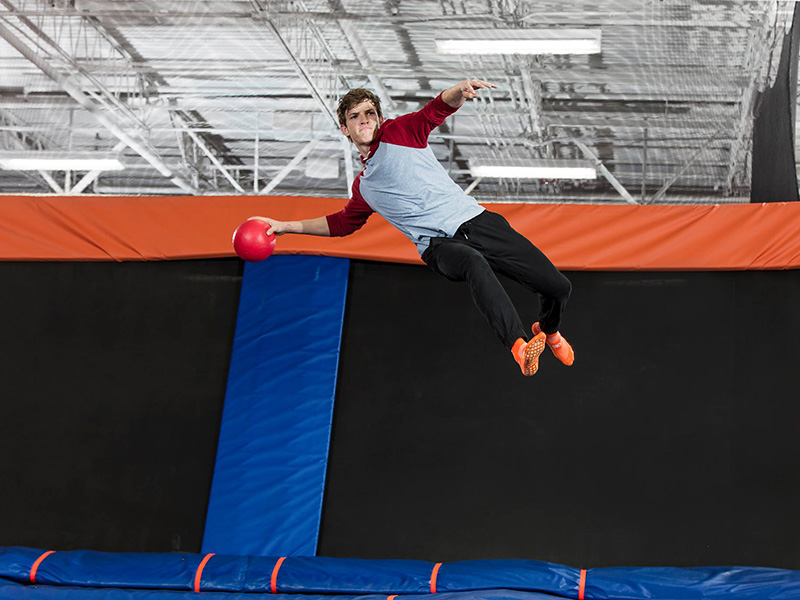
(199, 572)
(434, 575)
(273, 582)
(36, 564)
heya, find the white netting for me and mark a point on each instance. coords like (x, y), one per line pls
(225, 95)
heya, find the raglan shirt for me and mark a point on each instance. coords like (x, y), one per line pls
(404, 182)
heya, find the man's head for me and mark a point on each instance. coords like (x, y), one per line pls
(360, 115)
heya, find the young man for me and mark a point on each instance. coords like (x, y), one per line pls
(456, 237)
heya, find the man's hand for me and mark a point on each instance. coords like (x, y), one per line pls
(468, 87)
(456, 95)
(277, 227)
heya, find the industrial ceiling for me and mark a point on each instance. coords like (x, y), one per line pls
(238, 96)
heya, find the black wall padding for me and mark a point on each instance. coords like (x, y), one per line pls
(774, 165)
(113, 380)
(673, 440)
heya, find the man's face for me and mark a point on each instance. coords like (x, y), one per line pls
(361, 123)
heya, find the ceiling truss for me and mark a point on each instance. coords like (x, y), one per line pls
(239, 96)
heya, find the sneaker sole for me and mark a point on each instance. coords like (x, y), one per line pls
(533, 350)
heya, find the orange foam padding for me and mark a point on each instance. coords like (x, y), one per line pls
(575, 237)
(273, 581)
(38, 562)
(199, 574)
(434, 575)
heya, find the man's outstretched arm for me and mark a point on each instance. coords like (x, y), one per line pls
(348, 220)
(456, 95)
(318, 226)
(413, 129)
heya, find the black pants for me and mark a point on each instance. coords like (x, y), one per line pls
(488, 244)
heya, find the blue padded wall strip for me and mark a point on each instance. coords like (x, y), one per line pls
(266, 496)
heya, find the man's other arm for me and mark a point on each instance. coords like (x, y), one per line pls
(458, 94)
(413, 129)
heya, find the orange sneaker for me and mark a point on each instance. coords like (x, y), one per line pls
(527, 353)
(560, 346)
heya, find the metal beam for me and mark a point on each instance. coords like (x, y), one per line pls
(366, 62)
(606, 173)
(134, 61)
(141, 148)
(93, 175)
(533, 99)
(207, 151)
(473, 185)
(301, 70)
(315, 92)
(85, 181)
(721, 21)
(74, 65)
(667, 184)
(51, 182)
(288, 168)
(348, 165)
(644, 166)
(48, 179)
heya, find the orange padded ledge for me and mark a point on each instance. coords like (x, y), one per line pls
(575, 237)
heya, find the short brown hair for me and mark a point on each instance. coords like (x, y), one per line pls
(354, 98)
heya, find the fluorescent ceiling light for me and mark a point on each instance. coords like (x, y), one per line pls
(60, 161)
(520, 41)
(522, 168)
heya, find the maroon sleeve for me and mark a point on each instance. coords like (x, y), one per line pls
(353, 216)
(412, 130)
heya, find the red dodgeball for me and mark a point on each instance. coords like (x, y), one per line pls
(251, 241)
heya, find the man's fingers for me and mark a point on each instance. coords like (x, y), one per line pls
(482, 84)
(272, 224)
(470, 85)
